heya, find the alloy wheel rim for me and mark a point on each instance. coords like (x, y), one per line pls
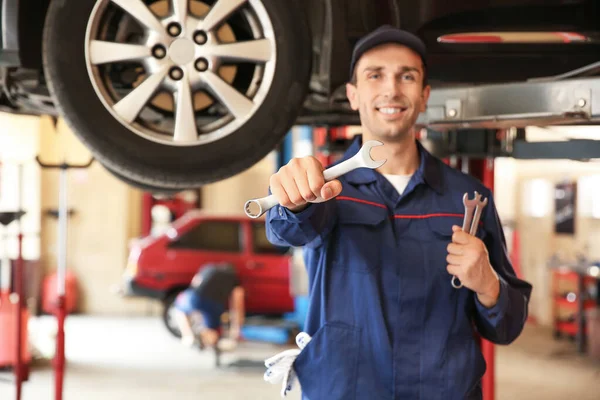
(195, 72)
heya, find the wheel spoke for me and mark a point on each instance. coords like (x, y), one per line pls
(108, 52)
(180, 9)
(130, 106)
(237, 103)
(252, 50)
(218, 13)
(138, 10)
(185, 121)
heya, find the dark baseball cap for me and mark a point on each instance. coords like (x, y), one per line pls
(387, 34)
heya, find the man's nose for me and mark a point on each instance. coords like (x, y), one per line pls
(393, 88)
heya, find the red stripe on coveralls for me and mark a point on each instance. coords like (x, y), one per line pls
(361, 201)
(402, 216)
(428, 216)
(371, 203)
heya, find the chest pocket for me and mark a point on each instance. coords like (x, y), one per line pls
(438, 234)
(360, 237)
(441, 227)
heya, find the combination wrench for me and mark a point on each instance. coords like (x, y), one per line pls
(255, 208)
(473, 209)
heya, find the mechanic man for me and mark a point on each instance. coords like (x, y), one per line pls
(213, 290)
(381, 247)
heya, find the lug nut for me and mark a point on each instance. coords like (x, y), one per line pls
(174, 29)
(201, 64)
(200, 37)
(176, 73)
(159, 51)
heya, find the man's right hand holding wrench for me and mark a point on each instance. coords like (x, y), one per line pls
(468, 259)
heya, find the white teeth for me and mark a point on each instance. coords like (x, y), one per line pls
(388, 110)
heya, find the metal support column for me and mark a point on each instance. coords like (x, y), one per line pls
(484, 170)
(61, 270)
(297, 143)
(286, 150)
(21, 368)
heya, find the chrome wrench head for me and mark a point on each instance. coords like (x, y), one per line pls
(470, 205)
(362, 159)
(255, 208)
(364, 154)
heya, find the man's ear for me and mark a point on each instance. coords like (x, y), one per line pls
(425, 96)
(352, 96)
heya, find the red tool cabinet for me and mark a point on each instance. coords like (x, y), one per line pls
(568, 305)
(8, 340)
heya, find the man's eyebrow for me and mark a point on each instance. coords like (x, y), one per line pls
(410, 69)
(372, 68)
(377, 68)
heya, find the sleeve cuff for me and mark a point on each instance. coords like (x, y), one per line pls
(497, 311)
(283, 214)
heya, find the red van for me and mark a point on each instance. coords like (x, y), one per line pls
(159, 267)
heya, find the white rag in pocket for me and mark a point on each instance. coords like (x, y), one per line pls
(280, 366)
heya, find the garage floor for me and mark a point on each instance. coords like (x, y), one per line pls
(134, 358)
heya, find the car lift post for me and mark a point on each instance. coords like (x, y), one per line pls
(61, 312)
(20, 370)
(297, 143)
(484, 171)
(487, 347)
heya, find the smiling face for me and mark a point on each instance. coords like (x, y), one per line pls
(388, 93)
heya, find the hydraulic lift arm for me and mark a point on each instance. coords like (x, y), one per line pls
(559, 102)
(572, 98)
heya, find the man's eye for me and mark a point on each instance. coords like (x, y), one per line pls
(373, 76)
(408, 77)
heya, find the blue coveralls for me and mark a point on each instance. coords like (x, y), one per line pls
(385, 321)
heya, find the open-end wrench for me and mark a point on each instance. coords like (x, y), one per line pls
(470, 206)
(362, 159)
(478, 211)
(473, 210)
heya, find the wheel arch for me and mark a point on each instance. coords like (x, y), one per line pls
(22, 31)
(173, 291)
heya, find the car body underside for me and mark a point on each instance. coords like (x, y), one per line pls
(491, 63)
(336, 25)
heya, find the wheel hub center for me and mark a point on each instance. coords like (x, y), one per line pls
(182, 51)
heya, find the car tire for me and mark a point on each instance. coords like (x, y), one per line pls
(160, 165)
(166, 315)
